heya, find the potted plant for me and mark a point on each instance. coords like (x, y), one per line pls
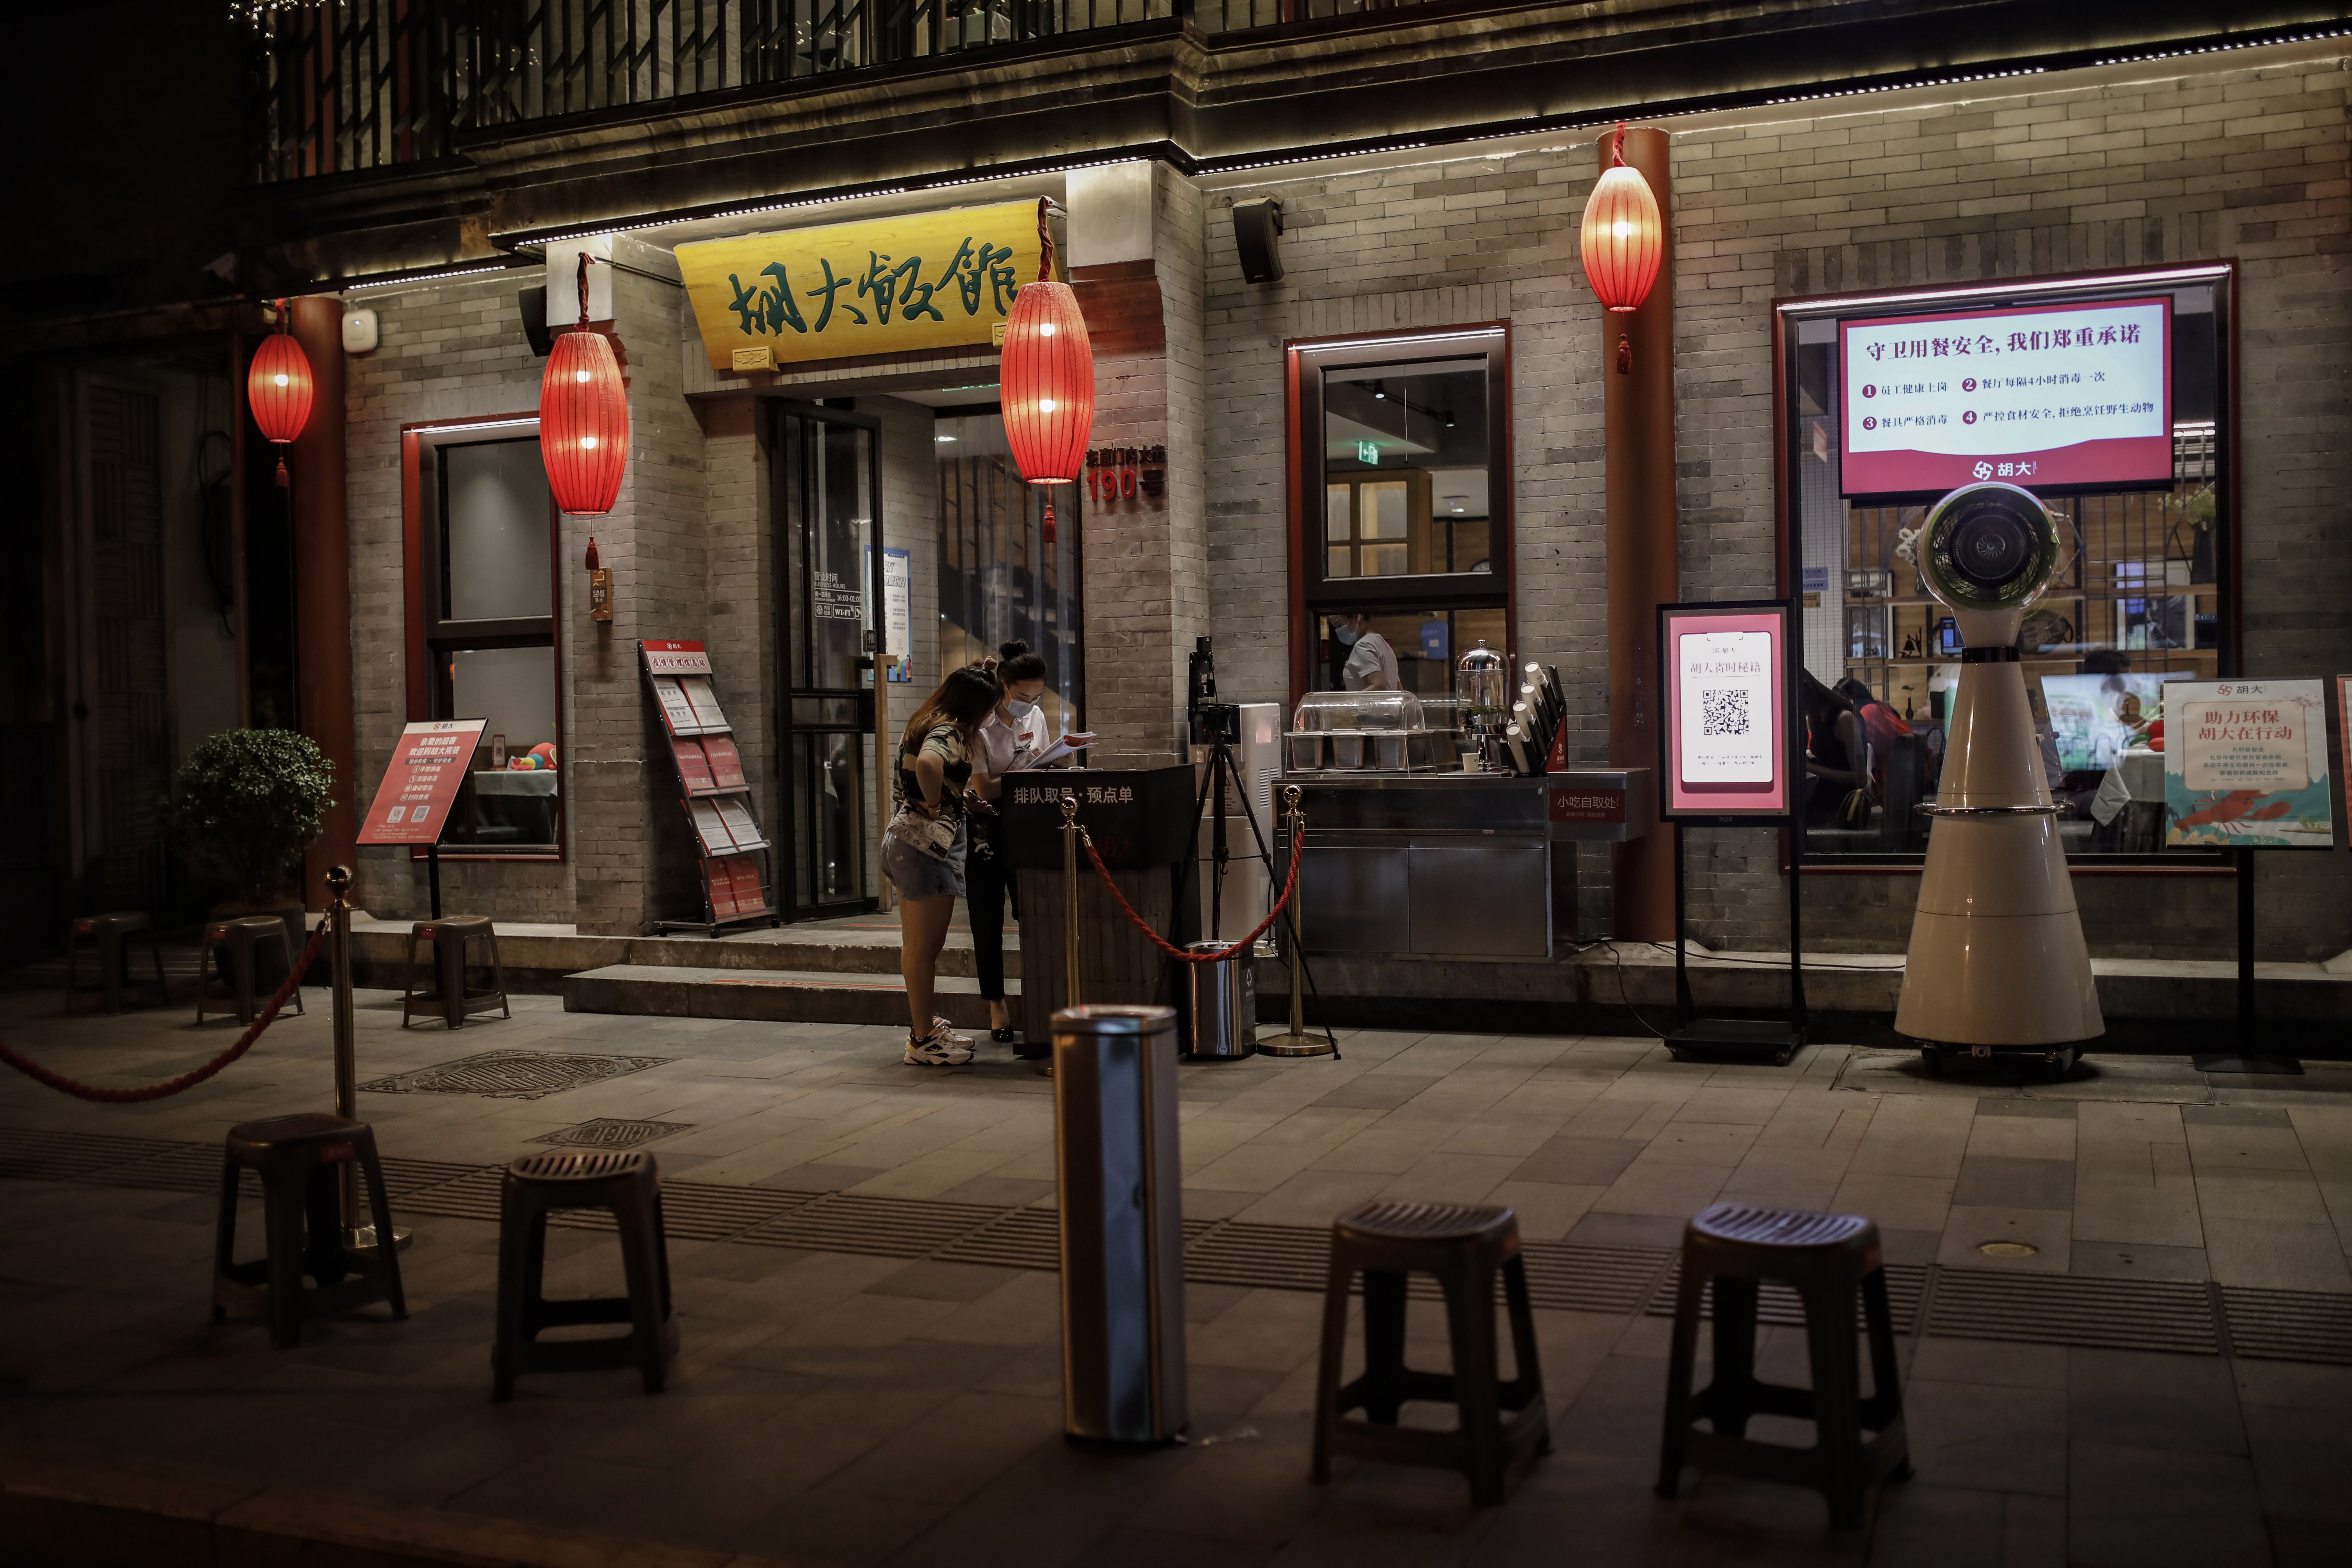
(250, 802)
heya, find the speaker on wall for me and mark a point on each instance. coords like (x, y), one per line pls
(533, 303)
(1258, 235)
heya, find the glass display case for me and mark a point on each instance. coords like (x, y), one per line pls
(1360, 732)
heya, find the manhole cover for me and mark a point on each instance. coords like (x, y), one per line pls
(513, 1075)
(612, 1133)
(2007, 1248)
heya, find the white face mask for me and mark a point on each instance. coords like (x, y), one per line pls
(1018, 709)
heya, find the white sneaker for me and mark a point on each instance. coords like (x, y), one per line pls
(938, 1050)
(940, 1030)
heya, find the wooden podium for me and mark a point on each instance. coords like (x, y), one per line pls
(1141, 824)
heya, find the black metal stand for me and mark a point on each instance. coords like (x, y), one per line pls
(433, 876)
(1737, 1036)
(2245, 1058)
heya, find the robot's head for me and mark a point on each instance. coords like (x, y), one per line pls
(1989, 549)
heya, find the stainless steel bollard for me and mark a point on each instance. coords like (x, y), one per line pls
(1122, 1216)
(1221, 1004)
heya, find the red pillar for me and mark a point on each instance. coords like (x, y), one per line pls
(1642, 534)
(323, 590)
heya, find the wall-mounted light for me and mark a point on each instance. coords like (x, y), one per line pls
(1048, 378)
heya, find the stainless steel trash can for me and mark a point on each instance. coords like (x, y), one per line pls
(1221, 1004)
(1115, 1153)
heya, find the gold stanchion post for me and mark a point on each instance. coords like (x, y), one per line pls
(1070, 897)
(1295, 1041)
(357, 1236)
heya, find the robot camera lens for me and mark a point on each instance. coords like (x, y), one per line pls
(1991, 548)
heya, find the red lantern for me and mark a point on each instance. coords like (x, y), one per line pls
(279, 387)
(1048, 379)
(1625, 237)
(584, 417)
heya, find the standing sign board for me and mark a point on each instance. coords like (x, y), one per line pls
(428, 767)
(1728, 744)
(897, 609)
(2245, 765)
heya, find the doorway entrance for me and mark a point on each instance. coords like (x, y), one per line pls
(827, 470)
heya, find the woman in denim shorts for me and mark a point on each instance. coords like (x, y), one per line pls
(923, 850)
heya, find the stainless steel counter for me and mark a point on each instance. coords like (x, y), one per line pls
(1455, 865)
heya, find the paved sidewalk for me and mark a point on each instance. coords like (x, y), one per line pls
(834, 1408)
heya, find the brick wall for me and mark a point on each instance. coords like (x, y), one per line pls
(2123, 168)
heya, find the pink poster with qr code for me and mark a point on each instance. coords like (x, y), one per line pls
(1725, 737)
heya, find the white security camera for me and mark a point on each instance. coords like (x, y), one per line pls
(1997, 959)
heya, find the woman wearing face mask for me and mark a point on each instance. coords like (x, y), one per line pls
(1014, 731)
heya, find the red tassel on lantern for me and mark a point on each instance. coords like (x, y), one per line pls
(278, 388)
(1047, 379)
(1623, 239)
(584, 417)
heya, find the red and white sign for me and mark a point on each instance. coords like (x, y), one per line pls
(664, 657)
(2042, 395)
(429, 766)
(1727, 738)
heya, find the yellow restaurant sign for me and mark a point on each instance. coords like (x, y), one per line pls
(927, 280)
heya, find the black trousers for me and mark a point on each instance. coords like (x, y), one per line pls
(988, 887)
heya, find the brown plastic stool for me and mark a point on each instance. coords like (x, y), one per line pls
(1465, 1246)
(629, 1185)
(1831, 1259)
(235, 944)
(112, 934)
(299, 1158)
(449, 936)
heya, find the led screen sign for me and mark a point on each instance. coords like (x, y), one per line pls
(1728, 740)
(2075, 395)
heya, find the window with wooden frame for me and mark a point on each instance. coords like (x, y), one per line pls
(481, 536)
(1400, 509)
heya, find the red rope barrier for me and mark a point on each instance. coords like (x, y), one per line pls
(186, 1081)
(1171, 949)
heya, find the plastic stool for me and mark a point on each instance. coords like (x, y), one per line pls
(1830, 1260)
(1465, 1246)
(299, 1158)
(235, 943)
(628, 1184)
(112, 934)
(449, 936)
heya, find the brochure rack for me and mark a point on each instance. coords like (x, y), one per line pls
(712, 789)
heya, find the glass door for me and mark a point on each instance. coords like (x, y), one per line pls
(828, 516)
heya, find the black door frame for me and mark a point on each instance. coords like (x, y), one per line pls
(790, 421)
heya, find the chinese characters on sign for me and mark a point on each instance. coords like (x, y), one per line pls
(1120, 473)
(428, 765)
(2053, 395)
(1091, 794)
(2245, 765)
(1727, 735)
(925, 280)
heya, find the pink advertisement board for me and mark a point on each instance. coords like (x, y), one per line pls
(1727, 741)
(2044, 396)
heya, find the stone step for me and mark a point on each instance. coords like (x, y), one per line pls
(767, 996)
(537, 957)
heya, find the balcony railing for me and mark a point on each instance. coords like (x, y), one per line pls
(364, 84)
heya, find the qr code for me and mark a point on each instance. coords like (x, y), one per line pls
(1723, 712)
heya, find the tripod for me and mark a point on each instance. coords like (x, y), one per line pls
(1217, 725)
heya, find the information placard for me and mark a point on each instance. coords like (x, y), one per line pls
(2046, 396)
(1727, 740)
(428, 767)
(2245, 765)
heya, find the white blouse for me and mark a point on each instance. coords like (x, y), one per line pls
(1000, 742)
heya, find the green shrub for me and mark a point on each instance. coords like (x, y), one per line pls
(250, 802)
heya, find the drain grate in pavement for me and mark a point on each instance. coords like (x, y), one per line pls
(2289, 1325)
(1024, 1238)
(2073, 1310)
(873, 1226)
(514, 1075)
(1968, 1303)
(1777, 1303)
(612, 1133)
